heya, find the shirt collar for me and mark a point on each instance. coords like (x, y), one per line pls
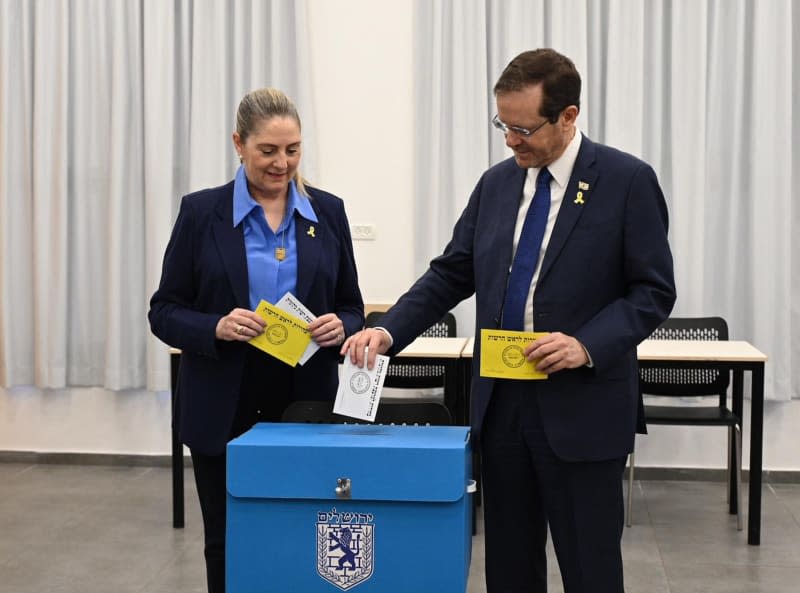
(243, 202)
(561, 168)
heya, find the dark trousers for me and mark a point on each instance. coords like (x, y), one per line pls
(527, 488)
(265, 393)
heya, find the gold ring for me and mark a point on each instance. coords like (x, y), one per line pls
(239, 329)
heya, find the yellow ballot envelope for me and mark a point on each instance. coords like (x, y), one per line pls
(502, 354)
(285, 336)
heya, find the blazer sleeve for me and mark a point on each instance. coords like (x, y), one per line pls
(349, 305)
(648, 270)
(174, 316)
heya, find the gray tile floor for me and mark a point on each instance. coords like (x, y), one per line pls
(98, 529)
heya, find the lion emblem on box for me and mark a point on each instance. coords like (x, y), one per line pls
(345, 547)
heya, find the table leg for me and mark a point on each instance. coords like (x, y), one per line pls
(466, 398)
(756, 444)
(737, 406)
(177, 451)
(453, 391)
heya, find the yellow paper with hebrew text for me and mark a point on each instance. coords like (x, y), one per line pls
(285, 337)
(502, 354)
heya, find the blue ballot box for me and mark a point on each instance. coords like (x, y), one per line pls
(339, 507)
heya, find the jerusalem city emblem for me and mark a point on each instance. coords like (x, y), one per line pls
(345, 547)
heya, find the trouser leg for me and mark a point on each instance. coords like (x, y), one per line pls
(584, 505)
(528, 487)
(514, 519)
(585, 513)
(264, 393)
(209, 475)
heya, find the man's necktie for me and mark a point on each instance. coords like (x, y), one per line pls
(527, 255)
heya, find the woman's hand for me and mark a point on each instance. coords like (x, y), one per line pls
(240, 325)
(327, 330)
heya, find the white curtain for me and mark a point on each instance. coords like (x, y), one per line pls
(109, 112)
(112, 109)
(706, 91)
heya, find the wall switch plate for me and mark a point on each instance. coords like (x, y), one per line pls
(362, 232)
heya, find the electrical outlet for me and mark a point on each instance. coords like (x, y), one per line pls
(362, 232)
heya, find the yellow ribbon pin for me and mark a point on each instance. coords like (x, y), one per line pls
(579, 198)
(310, 232)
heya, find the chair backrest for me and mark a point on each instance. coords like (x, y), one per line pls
(394, 412)
(682, 381)
(412, 375)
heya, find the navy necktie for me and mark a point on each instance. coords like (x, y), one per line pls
(527, 255)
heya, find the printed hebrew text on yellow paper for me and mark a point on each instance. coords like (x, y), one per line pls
(502, 354)
(285, 337)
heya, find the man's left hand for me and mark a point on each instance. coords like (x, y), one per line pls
(556, 351)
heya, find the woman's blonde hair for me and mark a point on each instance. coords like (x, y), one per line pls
(266, 103)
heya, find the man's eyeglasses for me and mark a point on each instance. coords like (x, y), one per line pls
(524, 132)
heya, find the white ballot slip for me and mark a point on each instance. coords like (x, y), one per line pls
(293, 306)
(360, 389)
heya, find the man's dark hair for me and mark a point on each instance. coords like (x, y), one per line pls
(561, 83)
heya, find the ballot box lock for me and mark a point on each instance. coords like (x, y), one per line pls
(343, 488)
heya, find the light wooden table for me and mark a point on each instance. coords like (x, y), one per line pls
(447, 352)
(727, 356)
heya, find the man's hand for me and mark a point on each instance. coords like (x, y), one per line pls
(556, 351)
(376, 340)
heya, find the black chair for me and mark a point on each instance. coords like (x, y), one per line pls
(405, 374)
(680, 382)
(389, 412)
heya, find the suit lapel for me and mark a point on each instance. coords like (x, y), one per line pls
(578, 192)
(230, 243)
(504, 209)
(511, 195)
(310, 237)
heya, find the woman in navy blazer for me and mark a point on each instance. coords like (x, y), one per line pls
(259, 236)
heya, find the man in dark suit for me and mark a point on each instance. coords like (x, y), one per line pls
(590, 265)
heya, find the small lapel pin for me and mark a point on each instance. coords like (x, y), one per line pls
(583, 185)
(579, 198)
(310, 232)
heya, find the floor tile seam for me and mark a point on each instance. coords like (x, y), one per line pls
(173, 560)
(646, 506)
(25, 470)
(69, 575)
(144, 588)
(733, 564)
(637, 485)
(8, 560)
(786, 507)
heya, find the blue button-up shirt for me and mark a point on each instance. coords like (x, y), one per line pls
(269, 278)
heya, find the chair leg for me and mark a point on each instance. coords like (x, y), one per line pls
(629, 510)
(738, 440)
(731, 457)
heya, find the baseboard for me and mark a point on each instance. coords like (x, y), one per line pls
(695, 474)
(701, 474)
(111, 459)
